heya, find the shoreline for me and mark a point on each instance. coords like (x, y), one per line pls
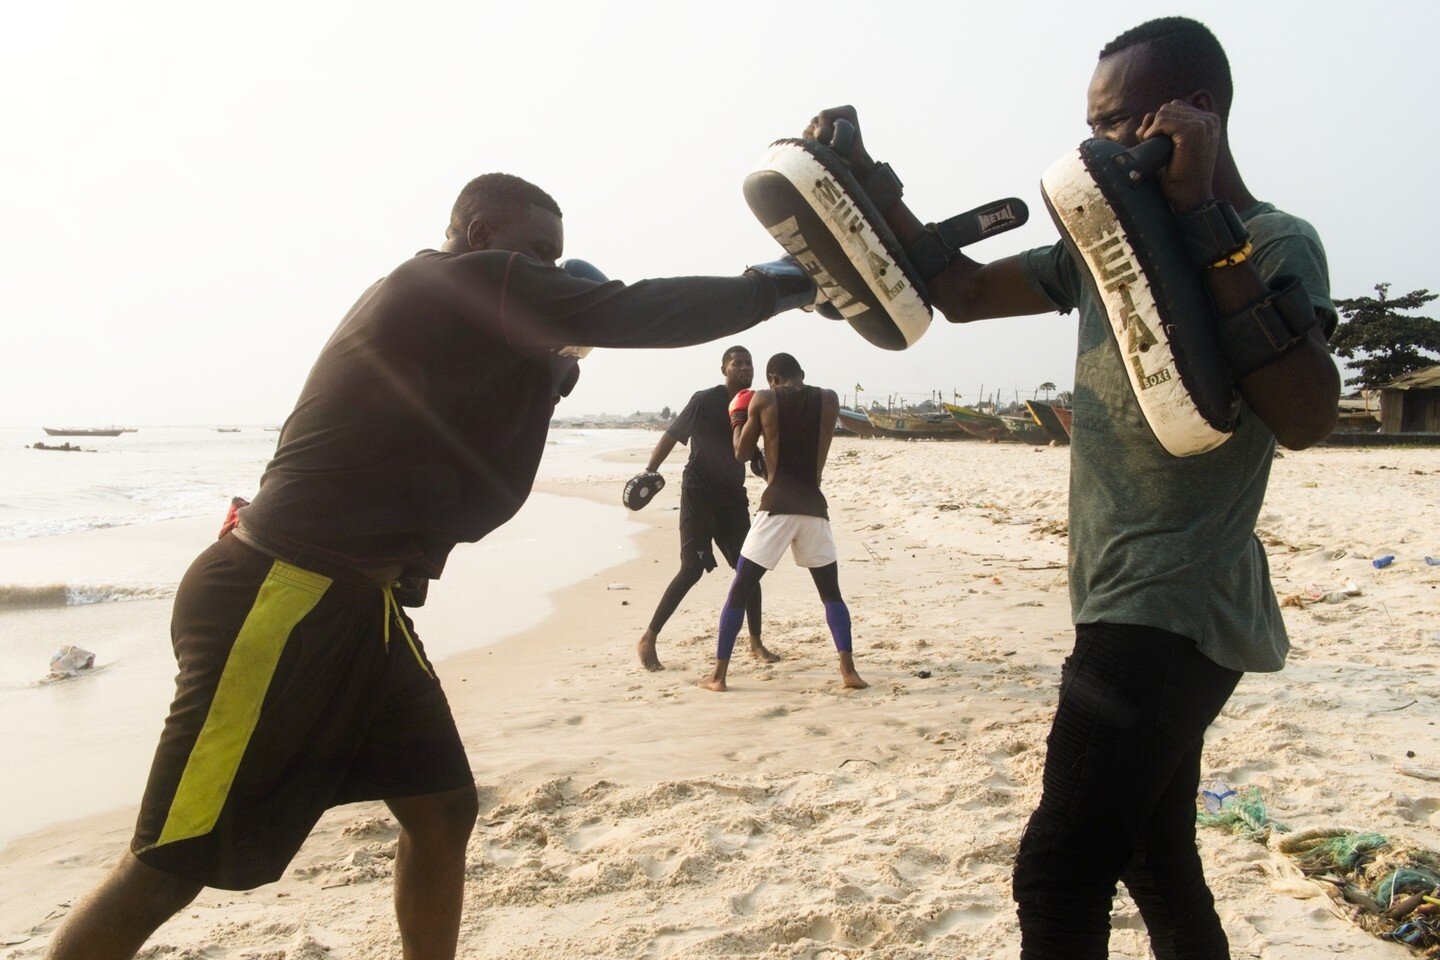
(91, 738)
(631, 814)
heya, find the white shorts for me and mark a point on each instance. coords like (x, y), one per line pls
(808, 538)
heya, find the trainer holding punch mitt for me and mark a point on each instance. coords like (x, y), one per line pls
(714, 508)
(1203, 317)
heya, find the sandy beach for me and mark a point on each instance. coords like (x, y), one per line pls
(627, 814)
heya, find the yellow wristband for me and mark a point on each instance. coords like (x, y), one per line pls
(1239, 256)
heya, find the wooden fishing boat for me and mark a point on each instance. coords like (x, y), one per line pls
(66, 447)
(1025, 430)
(82, 432)
(986, 426)
(1050, 419)
(856, 423)
(909, 425)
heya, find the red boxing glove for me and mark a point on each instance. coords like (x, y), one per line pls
(232, 515)
(740, 408)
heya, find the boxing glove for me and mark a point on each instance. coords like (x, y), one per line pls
(794, 290)
(740, 408)
(585, 270)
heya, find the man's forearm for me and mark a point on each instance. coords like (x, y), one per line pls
(968, 290)
(1298, 395)
(662, 450)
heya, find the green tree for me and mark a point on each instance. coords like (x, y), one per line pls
(665, 414)
(1048, 387)
(1390, 342)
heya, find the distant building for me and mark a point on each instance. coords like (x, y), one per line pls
(1411, 403)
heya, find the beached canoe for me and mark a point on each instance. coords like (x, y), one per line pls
(1049, 418)
(909, 425)
(856, 423)
(986, 426)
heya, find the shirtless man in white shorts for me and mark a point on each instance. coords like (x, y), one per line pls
(798, 423)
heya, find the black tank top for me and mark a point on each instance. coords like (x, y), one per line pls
(796, 487)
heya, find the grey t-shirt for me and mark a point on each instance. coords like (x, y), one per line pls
(1164, 541)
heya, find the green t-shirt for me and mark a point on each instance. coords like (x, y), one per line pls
(1164, 541)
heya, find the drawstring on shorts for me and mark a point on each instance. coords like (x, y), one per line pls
(392, 612)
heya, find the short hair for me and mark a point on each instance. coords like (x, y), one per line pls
(492, 191)
(784, 366)
(731, 352)
(1187, 54)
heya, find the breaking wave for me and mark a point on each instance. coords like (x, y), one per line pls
(23, 596)
(28, 529)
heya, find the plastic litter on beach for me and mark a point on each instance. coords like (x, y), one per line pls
(1315, 594)
(1432, 561)
(69, 661)
(1214, 793)
(618, 586)
(1381, 562)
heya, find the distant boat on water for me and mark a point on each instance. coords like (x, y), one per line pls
(61, 448)
(83, 432)
(227, 429)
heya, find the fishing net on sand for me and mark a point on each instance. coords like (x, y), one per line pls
(1388, 887)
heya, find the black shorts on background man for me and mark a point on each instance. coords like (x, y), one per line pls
(713, 505)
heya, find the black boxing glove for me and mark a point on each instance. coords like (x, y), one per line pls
(794, 290)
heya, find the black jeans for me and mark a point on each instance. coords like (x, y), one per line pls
(1121, 773)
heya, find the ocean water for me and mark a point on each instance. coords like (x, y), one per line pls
(156, 473)
(92, 546)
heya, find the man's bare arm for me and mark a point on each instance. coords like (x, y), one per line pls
(663, 446)
(1298, 395)
(829, 411)
(747, 435)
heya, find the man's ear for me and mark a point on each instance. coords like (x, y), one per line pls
(1203, 99)
(477, 234)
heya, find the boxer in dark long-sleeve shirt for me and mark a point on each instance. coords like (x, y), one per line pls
(302, 684)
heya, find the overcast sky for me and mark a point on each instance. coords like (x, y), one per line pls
(194, 193)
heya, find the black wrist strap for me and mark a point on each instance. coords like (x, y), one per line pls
(883, 187)
(1212, 232)
(1267, 329)
(933, 250)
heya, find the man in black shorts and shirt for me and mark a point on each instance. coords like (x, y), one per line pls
(302, 684)
(713, 504)
(798, 423)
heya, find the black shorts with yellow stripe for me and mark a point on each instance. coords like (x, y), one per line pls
(296, 692)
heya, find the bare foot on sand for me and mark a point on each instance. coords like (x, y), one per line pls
(758, 651)
(848, 676)
(716, 681)
(646, 648)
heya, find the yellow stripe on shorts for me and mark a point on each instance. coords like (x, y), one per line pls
(287, 595)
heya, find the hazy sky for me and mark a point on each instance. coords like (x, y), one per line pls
(194, 193)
